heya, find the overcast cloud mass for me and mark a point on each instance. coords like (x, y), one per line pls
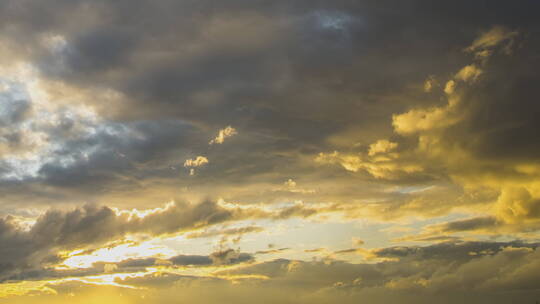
(199, 151)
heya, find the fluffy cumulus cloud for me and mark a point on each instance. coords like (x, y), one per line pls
(311, 152)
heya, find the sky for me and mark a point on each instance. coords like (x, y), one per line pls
(254, 151)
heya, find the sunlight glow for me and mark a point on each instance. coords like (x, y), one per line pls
(118, 253)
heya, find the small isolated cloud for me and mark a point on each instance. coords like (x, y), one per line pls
(223, 133)
(196, 162)
(291, 186)
(290, 183)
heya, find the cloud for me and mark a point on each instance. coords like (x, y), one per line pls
(288, 74)
(272, 251)
(418, 120)
(456, 136)
(380, 165)
(468, 270)
(31, 249)
(468, 73)
(492, 38)
(381, 146)
(475, 223)
(229, 256)
(199, 161)
(227, 231)
(196, 162)
(222, 134)
(430, 83)
(93, 226)
(223, 257)
(516, 204)
(415, 273)
(103, 102)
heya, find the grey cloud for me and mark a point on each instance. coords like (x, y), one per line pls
(217, 258)
(345, 251)
(26, 251)
(15, 103)
(272, 251)
(246, 75)
(420, 274)
(187, 260)
(167, 279)
(301, 77)
(116, 148)
(229, 256)
(470, 224)
(450, 251)
(228, 231)
(90, 226)
(497, 273)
